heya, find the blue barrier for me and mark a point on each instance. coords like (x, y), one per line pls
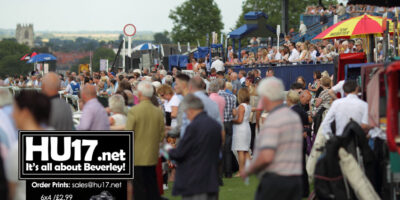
(289, 73)
(309, 20)
(177, 61)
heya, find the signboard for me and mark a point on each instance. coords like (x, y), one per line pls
(146, 61)
(46, 68)
(39, 67)
(129, 30)
(75, 164)
(103, 65)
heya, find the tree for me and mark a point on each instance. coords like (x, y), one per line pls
(11, 65)
(194, 19)
(11, 47)
(273, 8)
(162, 38)
(10, 55)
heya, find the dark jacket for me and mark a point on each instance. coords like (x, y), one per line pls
(302, 114)
(197, 157)
(304, 120)
(354, 136)
(323, 19)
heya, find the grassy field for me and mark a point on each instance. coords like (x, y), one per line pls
(233, 189)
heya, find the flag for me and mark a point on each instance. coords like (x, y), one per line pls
(25, 57)
(28, 56)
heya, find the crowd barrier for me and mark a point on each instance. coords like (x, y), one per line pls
(289, 73)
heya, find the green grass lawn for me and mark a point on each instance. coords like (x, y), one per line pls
(234, 188)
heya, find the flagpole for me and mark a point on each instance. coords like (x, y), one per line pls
(123, 54)
(90, 65)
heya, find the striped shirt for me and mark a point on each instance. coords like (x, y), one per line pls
(282, 132)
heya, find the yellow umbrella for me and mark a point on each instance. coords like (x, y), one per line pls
(355, 27)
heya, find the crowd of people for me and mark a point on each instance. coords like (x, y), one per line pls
(210, 123)
(297, 53)
(353, 10)
(261, 53)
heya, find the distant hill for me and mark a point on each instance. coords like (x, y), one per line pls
(72, 35)
(6, 33)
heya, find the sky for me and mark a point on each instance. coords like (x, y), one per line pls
(101, 15)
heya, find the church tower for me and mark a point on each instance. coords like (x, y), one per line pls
(24, 34)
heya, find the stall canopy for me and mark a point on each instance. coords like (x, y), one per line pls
(256, 26)
(244, 29)
(145, 46)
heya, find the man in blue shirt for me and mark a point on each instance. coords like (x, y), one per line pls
(73, 87)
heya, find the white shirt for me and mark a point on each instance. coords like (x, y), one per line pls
(218, 65)
(339, 88)
(242, 80)
(7, 81)
(278, 56)
(207, 83)
(294, 56)
(303, 29)
(344, 109)
(174, 101)
(313, 55)
(119, 119)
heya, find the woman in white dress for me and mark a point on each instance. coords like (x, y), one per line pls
(171, 103)
(241, 128)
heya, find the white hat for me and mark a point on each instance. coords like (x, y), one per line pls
(137, 71)
(156, 84)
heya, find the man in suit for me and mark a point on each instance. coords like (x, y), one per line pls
(197, 154)
(147, 122)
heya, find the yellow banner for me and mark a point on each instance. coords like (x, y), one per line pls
(83, 68)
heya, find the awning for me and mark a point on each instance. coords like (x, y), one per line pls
(244, 29)
(254, 15)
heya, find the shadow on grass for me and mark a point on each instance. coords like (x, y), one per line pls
(233, 189)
